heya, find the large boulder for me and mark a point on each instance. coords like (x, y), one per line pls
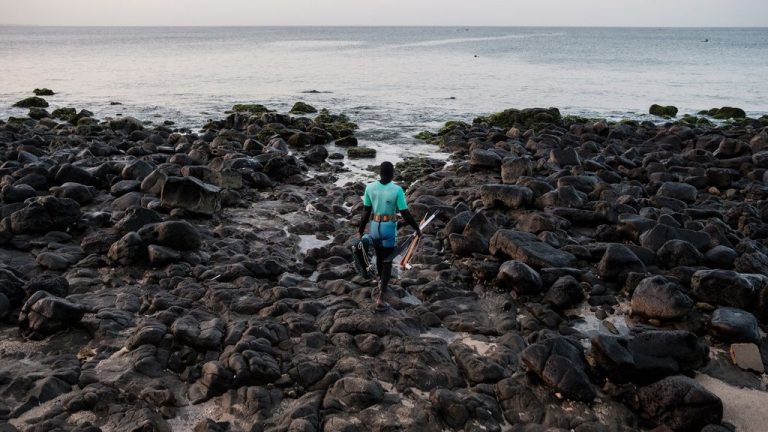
(735, 325)
(560, 363)
(74, 174)
(727, 288)
(17, 193)
(180, 235)
(45, 214)
(612, 358)
(191, 194)
(658, 354)
(681, 404)
(80, 193)
(564, 157)
(474, 237)
(352, 394)
(565, 293)
(617, 262)
(676, 253)
(44, 314)
(136, 218)
(518, 277)
(527, 248)
(481, 159)
(658, 298)
(655, 238)
(507, 196)
(477, 368)
(11, 287)
(663, 111)
(130, 249)
(513, 169)
(32, 102)
(680, 191)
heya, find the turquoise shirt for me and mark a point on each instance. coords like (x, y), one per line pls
(386, 199)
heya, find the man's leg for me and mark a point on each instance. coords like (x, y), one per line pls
(386, 271)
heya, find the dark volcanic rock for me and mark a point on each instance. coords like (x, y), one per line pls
(130, 249)
(191, 194)
(136, 218)
(478, 369)
(51, 283)
(658, 354)
(508, 196)
(561, 364)
(45, 214)
(618, 261)
(527, 248)
(681, 404)
(735, 325)
(351, 394)
(658, 298)
(676, 253)
(180, 235)
(44, 313)
(564, 293)
(655, 238)
(726, 287)
(612, 358)
(518, 277)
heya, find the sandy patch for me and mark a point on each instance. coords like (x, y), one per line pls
(744, 408)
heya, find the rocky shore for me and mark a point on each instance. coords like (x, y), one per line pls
(582, 276)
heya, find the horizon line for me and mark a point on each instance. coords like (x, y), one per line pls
(377, 26)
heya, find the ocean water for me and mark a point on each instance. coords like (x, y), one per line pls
(394, 82)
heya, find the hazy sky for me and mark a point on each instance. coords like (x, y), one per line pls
(650, 13)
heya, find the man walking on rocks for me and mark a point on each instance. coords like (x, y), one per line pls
(382, 200)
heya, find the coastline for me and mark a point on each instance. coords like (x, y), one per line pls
(180, 269)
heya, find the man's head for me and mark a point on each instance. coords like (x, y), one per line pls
(386, 172)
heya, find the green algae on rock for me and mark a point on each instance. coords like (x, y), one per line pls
(302, 108)
(663, 111)
(32, 102)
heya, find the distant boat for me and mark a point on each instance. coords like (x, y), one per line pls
(705, 40)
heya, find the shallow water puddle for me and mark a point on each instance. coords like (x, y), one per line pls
(311, 241)
(482, 347)
(188, 416)
(590, 325)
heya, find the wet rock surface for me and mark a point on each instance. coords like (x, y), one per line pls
(578, 273)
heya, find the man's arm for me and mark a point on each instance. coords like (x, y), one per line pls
(402, 206)
(364, 220)
(411, 221)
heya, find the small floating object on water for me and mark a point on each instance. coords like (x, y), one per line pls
(611, 328)
(706, 40)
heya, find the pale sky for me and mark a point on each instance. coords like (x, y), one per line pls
(612, 13)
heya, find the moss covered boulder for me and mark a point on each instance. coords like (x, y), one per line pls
(361, 153)
(525, 118)
(451, 126)
(424, 135)
(43, 92)
(32, 102)
(725, 113)
(663, 111)
(252, 108)
(347, 141)
(66, 114)
(38, 113)
(338, 125)
(302, 108)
